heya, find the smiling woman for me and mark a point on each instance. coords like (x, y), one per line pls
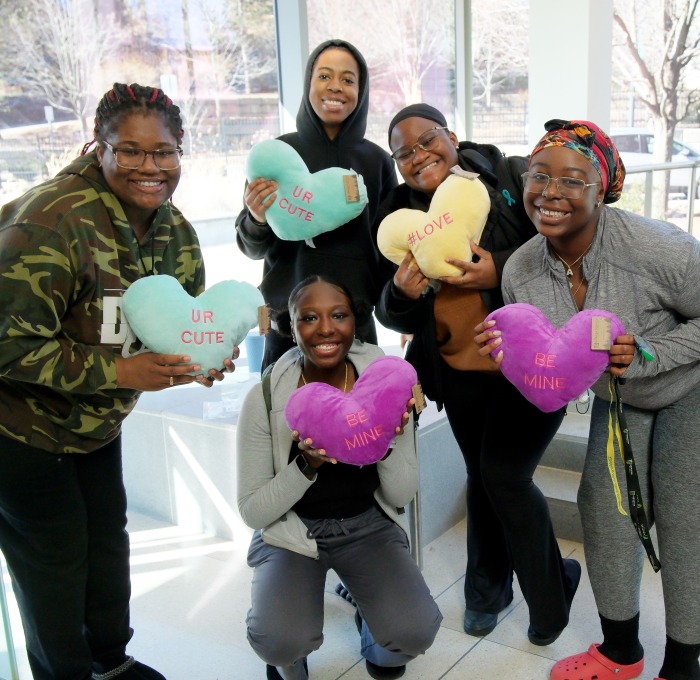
(331, 125)
(590, 256)
(69, 247)
(509, 530)
(312, 512)
(142, 180)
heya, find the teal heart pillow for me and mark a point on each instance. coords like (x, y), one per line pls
(307, 204)
(168, 320)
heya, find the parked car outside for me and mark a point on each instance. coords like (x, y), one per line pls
(636, 147)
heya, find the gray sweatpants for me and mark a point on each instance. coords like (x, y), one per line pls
(371, 556)
(666, 446)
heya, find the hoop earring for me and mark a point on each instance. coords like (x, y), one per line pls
(598, 203)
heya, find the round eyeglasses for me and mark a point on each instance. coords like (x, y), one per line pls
(568, 187)
(426, 141)
(132, 158)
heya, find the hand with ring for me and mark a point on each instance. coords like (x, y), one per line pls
(151, 372)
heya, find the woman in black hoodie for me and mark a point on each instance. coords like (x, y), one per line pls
(331, 125)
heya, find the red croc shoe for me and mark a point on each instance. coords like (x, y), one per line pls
(592, 665)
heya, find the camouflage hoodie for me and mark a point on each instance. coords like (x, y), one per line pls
(67, 253)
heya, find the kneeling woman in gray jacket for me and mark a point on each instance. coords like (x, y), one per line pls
(311, 514)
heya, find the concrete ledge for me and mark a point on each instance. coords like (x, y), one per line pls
(180, 451)
(443, 476)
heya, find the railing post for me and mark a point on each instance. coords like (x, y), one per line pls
(692, 192)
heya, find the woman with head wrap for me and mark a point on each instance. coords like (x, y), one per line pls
(508, 524)
(647, 272)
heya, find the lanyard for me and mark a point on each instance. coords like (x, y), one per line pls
(637, 512)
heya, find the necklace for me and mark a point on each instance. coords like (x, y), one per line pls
(345, 386)
(569, 270)
(578, 288)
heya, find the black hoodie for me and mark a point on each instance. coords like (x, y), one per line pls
(349, 253)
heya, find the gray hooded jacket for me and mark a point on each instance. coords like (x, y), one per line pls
(647, 273)
(269, 486)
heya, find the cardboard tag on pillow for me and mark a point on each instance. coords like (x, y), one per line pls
(457, 170)
(600, 333)
(418, 395)
(264, 319)
(352, 189)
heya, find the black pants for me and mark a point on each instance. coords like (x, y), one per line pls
(63, 535)
(502, 437)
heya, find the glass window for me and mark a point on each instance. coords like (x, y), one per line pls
(408, 47)
(627, 143)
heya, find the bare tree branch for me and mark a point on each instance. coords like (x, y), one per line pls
(62, 49)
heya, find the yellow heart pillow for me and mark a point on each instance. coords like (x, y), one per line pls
(458, 212)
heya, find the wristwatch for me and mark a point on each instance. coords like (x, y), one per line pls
(304, 466)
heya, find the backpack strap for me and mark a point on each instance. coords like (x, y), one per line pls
(266, 378)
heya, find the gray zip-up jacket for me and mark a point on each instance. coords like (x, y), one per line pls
(269, 486)
(646, 272)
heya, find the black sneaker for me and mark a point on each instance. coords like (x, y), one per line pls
(343, 592)
(479, 624)
(384, 672)
(379, 672)
(572, 571)
(130, 670)
(273, 674)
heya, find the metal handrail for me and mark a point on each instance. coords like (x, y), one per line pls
(651, 168)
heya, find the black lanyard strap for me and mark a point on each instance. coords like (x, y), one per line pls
(635, 502)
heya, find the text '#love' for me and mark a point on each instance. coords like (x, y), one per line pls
(427, 230)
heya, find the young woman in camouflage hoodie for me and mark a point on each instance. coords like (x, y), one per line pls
(69, 376)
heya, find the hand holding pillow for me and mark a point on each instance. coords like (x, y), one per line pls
(170, 321)
(356, 427)
(305, 204)
(458, 212)
(549, 366)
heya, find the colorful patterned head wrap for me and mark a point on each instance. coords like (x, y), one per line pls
(590, 141)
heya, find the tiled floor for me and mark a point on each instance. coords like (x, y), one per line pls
(191, 593)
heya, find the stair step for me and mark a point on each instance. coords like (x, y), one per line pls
(560, 488)
(557, 483)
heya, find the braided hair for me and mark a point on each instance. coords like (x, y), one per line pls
(123, 100)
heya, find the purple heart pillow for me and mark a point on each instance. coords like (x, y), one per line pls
(550, 366)
(354, 427)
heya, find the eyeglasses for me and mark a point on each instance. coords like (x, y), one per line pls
(131, 158)
(426, 142)
(568, 187)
